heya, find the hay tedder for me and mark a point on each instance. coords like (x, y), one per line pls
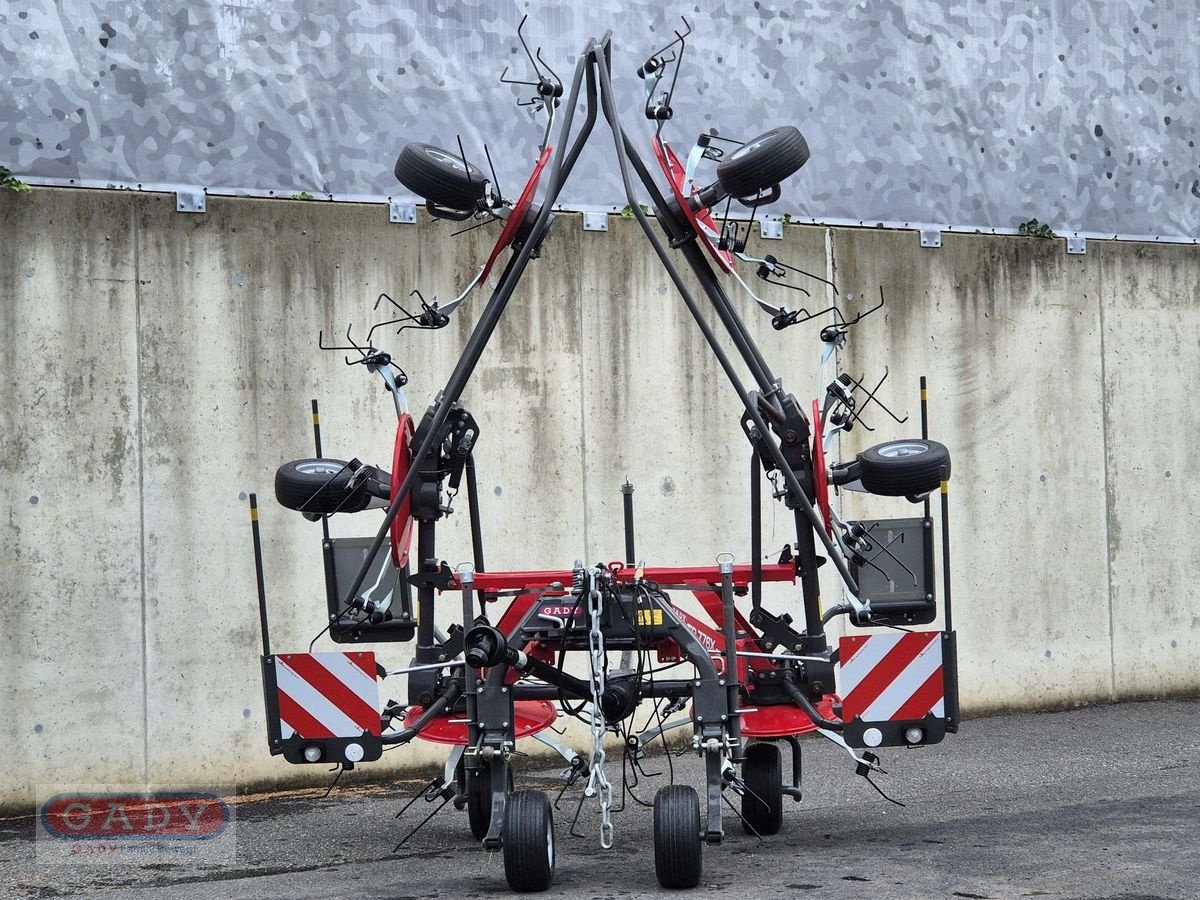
(601, 641)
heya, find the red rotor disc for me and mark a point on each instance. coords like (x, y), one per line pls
(701, 221)
(781, 721)
(820, 473)
(530, 717)
(517, 216)
(402, 525)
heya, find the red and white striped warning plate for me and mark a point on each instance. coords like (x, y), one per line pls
(892, 677)
(327, 695)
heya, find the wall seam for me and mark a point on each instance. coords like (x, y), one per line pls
(137, 320)
(1108, 507)
(831, 298)
(587, 546)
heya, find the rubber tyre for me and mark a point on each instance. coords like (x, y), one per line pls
(763, 162)
(529, 842)
(904, 468)
(678, 849)
(319, 486)
(762, 804)
(438, 176)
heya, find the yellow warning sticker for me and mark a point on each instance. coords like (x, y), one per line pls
(649, 617)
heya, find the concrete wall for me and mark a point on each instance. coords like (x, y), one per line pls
(160, 366)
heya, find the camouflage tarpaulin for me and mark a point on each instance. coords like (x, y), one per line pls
(1081, 114)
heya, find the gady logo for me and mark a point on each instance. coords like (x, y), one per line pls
(123, 816)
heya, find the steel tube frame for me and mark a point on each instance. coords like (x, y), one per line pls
(594, 67)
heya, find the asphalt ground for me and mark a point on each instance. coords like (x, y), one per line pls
(1099, 802)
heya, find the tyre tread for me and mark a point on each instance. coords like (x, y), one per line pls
(678, 850)
(768, 165)
(762, 805)
(526, 818)
(443, 186)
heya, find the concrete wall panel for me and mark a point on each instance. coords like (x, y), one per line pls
(1151, 364)
(161, 367)
(1008, 333)
(71, 643)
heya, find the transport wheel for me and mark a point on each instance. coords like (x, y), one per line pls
(763, 162)
(528, 841)
(440, 176)
(904, 468)
(762, 804)
(678, 851)
(320, 486)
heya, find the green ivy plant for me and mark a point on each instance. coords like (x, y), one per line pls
(1034, 228)
(302, 195)
(7, 180)
(627, 212)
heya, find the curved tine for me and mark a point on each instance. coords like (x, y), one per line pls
(810, 275)
(487, 219)
(353, 343)
(862, 315)
(833, 309)
(408, 315)
(321, 343)
(384, 296)
(682, 38)
(466, 166)
(553, 75)
(504, 80)
(495, 180)
(769, 265)
(678, 37)
(416, 320)
(521, 38)
(872, 398)
(810, 316)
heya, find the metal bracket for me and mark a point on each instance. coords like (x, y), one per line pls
(402, 213)
(190, 200)
(771, 229)
(595, 221)
(1076, 244)
(931, 237)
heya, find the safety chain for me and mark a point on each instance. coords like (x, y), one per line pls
(597, 780)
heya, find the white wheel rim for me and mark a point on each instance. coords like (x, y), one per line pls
(452, 161)
(746, 148)
(902, 450)
(318, 468)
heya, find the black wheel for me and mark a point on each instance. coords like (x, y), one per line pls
(322, 486)
(528, 841)
(763, 162)
(678, 851)
(762, 804)
(904, 468)
(440, 176)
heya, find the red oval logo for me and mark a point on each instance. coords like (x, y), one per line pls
(171, 816)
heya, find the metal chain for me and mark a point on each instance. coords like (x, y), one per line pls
(597, 780)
